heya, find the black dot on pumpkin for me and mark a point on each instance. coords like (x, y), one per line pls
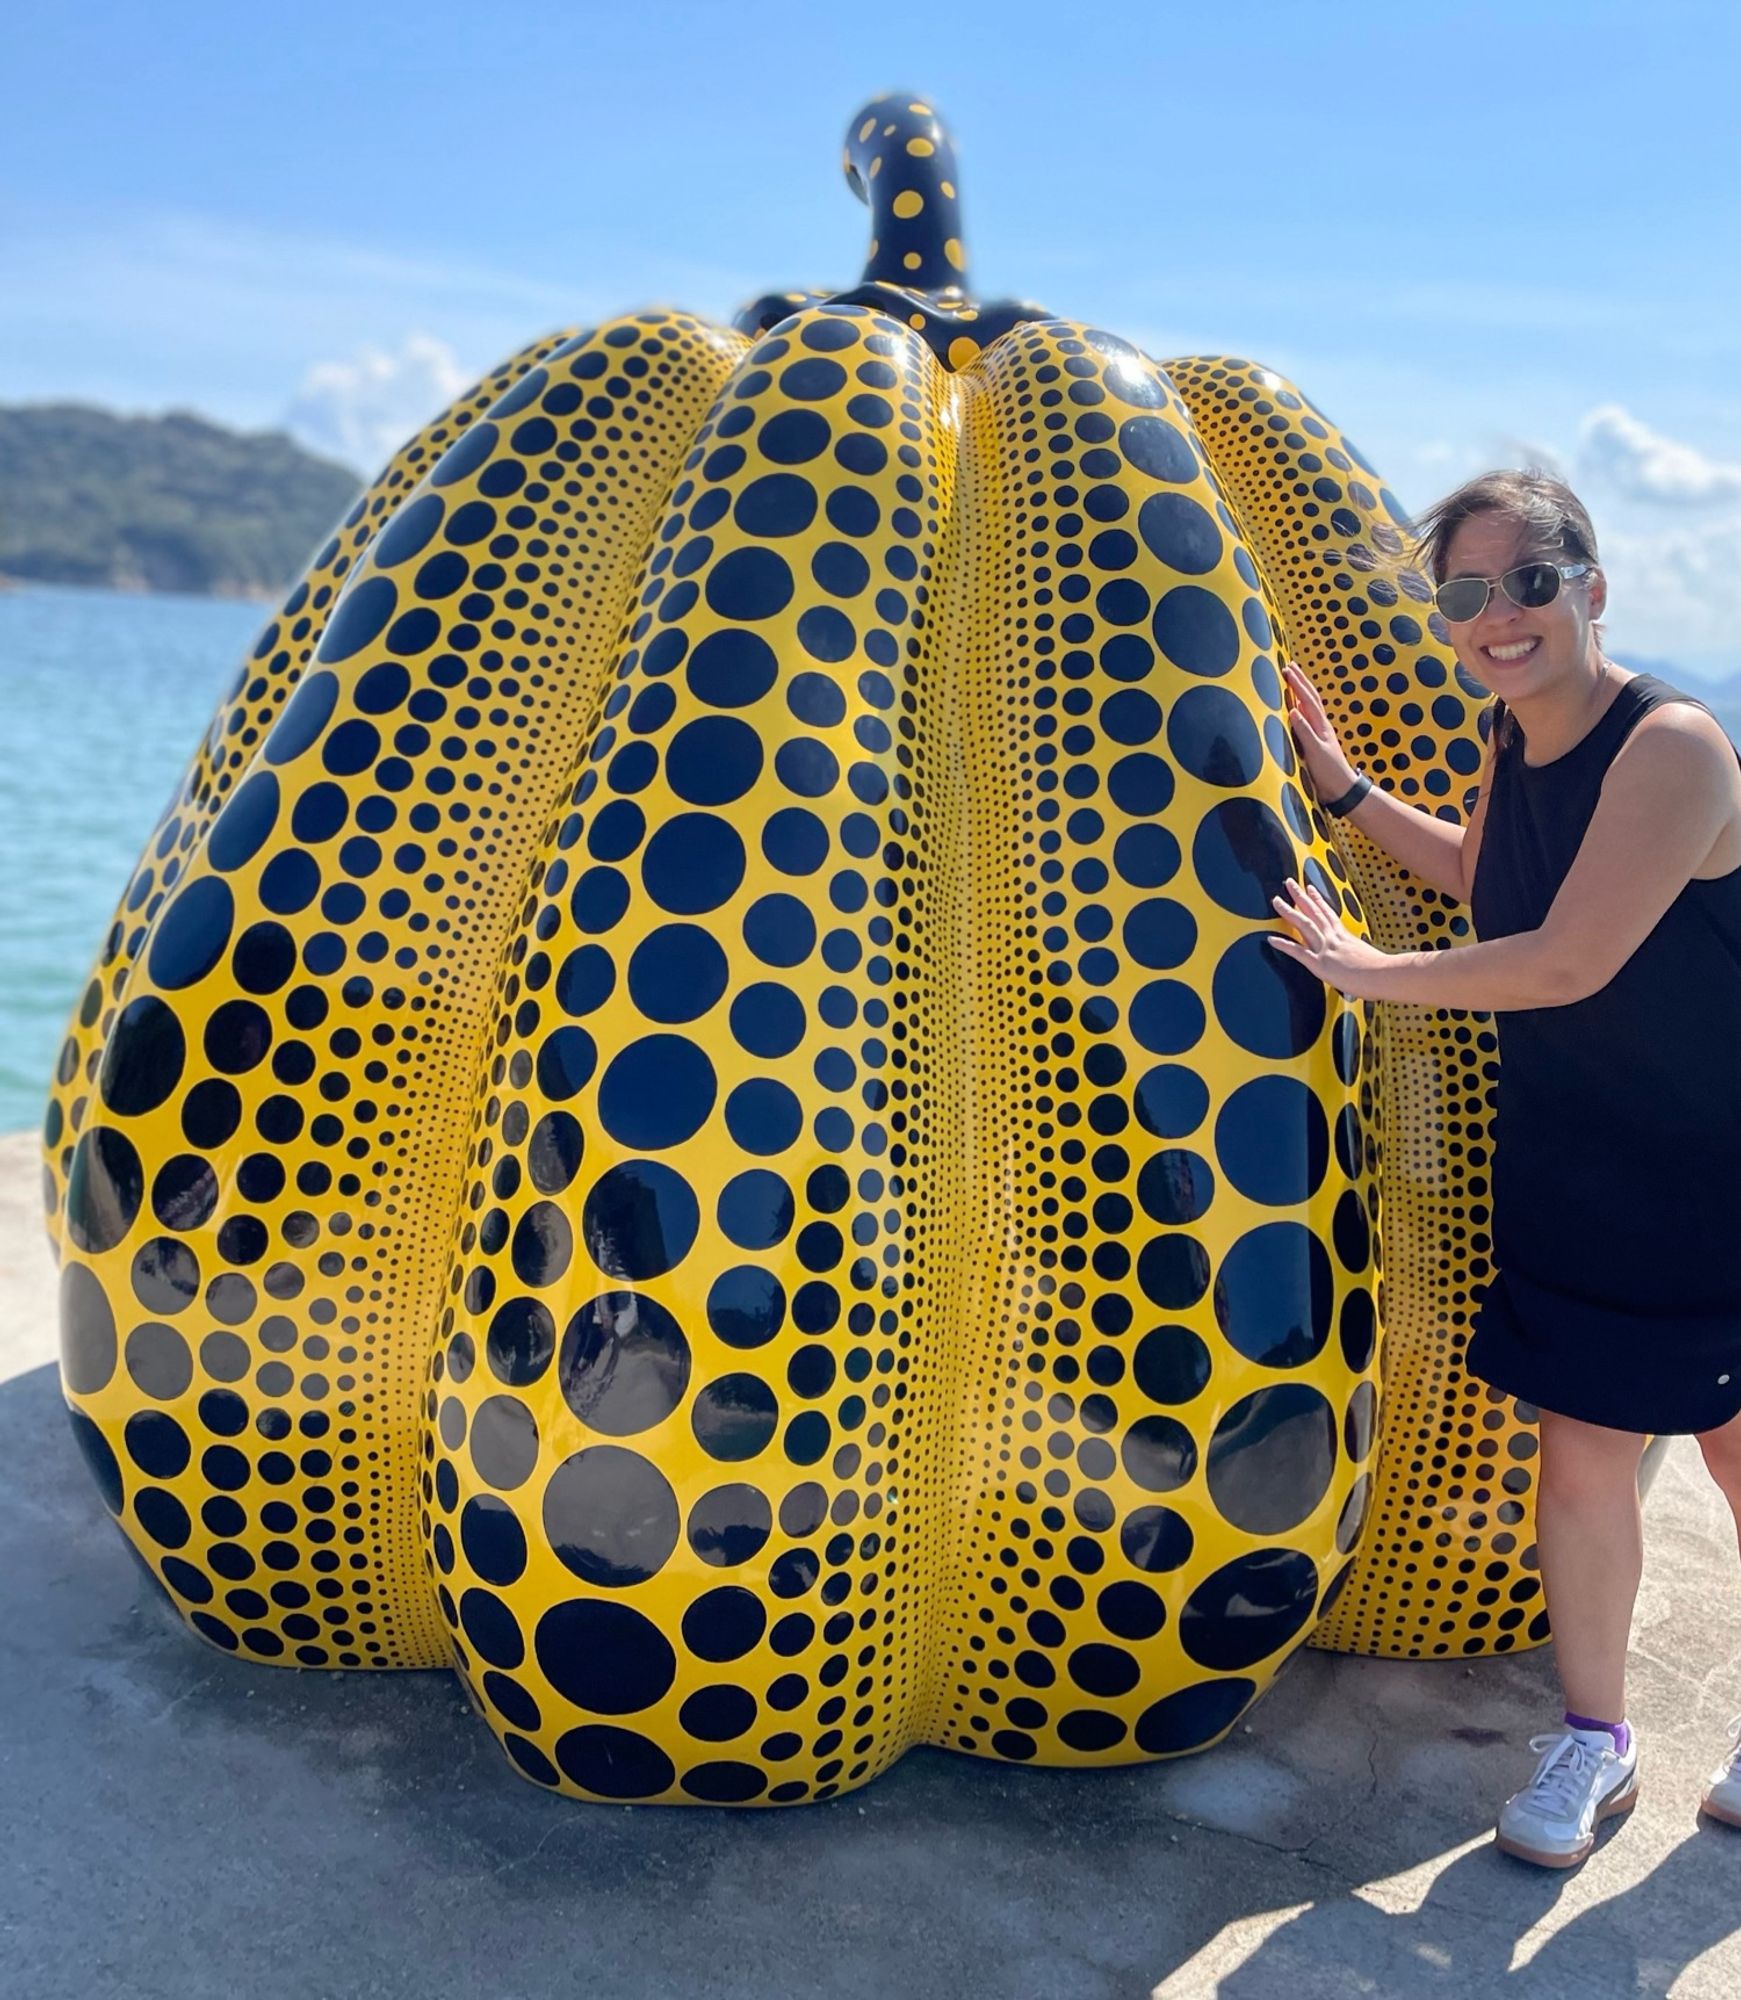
(409, 531)
(763, 1116)
(520, 1342)
(192, 934)
(755, 1210)
(543, 1244)
(615, 1763)
(361, 615)
(1274, 1293)
(1091, 1729)
(157, 1444)
(554, 1151)
(99, 1457)
(1131, 1610)
(144, 1059)
(724, 1624)
(1249, 1608)
(1180, 532)
(511, 1701)
(1242, 856)
(1167, 1017)
(1196, 630)
(730, 1525)
(163, 1517)
(87, 1331)
(1159, 933)
(165, 1275)
(1211, 734)
(678, 972)
(610, 1516)
(493, 1539)
(746, 1304)
(245, 823)
(640, 1219)
(566, 1058)
(735, 1417)
(1147, 857)
(503, 1442)
(1175, 1186)
(158, 1360)
(1273, 1140)
(1155, 447)
(713, 760)
(749, 584)
(184, 1196)
(1103, 1670)
(1271, 1458)
(1192, 1717)
(305, 715)
(1267, 1002)
(793, 437)
(1357, 1328)
(237, 1036)
(1171, 1101)
(264, 958)
(1156, 1540)
(779, 503)
(105, 1189)
(1159, 1454)
(692, 863)
(1173, 1271)
(717, 1714)
(624, 1364)
(491, 1628)
(1171, 1365)
(605, 1657)
(657, 1092)
(732, 668)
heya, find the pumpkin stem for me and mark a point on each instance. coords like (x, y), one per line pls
(900, 160)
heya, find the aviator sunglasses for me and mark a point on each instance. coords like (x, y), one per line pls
(1529, 586)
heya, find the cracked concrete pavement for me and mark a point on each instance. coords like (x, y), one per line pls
(177, 1823)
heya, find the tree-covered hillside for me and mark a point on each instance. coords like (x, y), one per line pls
(159, 503)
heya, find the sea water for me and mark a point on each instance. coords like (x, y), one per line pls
(103, 699)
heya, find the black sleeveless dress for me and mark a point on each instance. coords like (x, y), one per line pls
(1617, 1140)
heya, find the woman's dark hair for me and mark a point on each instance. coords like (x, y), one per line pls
(1555, 517)
(1534, 499)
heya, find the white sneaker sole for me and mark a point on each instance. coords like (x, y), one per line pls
(1611, 1807)
(1727, 1814)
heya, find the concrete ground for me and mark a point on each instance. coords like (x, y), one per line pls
(175, 1823)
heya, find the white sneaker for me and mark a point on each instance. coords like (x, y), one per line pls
(1722, 1798)
(1580, 1780)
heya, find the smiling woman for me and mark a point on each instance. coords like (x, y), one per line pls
(1602, 865)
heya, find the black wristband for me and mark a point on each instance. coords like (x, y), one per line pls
(1340, 808)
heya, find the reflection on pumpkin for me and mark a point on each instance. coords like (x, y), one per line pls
(689, 1111)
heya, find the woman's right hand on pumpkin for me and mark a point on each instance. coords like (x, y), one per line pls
(1315, 738)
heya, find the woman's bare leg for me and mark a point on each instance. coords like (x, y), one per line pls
(1722, 1449)
(1591, 1542)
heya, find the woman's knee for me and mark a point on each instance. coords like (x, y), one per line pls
(1722, 1451)
(1585, 1463)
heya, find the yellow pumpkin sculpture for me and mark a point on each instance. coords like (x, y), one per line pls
(689, 1109)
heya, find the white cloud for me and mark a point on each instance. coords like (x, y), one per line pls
(1643, 464)
(363, 409)
(1674, 592)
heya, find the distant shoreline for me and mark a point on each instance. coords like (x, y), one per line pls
(140, 587)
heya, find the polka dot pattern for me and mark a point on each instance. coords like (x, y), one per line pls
(688, 1111)
(1447, 1566)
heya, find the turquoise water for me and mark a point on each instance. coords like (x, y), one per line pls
(103, 698)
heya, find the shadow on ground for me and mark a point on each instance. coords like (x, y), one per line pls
(180, 1823)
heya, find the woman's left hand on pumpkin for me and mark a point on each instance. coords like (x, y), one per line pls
(1325, 943)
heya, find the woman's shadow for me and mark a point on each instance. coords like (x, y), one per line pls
(1488, 1925)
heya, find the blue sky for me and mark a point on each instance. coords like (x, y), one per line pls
(1471, 233)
